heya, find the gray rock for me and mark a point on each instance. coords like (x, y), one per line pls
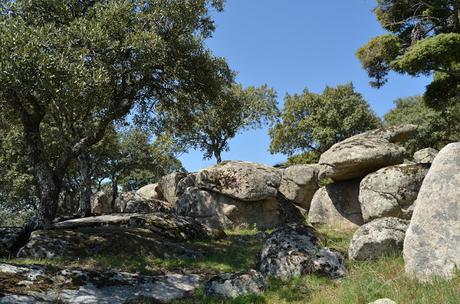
(9, 237)
(230, 285)
(186, 182)
(220, 211)
(383, 301)
(132, 202)
(431, 246)
(364, 153)
(296, 249)
(168, 186)
(378, 238)
(241, 180)
(37, 284)
(337, 205)
(166, 224)
(299, 183)
(100, 203)
(425, 156)
(391, 191)
(151, 191)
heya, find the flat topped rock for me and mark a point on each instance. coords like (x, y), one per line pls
(364, 153)
(37, 284)
(241, 180)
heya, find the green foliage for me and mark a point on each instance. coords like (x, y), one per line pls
(209, 126)
(303, 158)
(424, 38)
(314, 122)
(436, 128)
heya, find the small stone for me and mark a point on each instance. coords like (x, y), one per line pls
(230, 285)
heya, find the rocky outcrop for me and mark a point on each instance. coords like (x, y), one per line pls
(41, 284)
(431, 246)
(90, 241)
(159, 234)
(337, 205)
(364, 153)
(150, 192)
(100, 203)
(220, 211)
(425, 156)
(296, 249)
(229, 285)
(299, 183)
(391, 191)
(168, 185)
(241, 180)
(378, 238)
(186, 182)
(9, 236)
(132, 202)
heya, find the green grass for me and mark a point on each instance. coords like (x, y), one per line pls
(364, 283)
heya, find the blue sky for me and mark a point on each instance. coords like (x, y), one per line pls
(294, 44)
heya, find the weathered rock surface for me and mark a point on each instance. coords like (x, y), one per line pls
(364, 153)
(150, 191)
(431, 246)
(186, 182)
(378, 238)
(391, 191)
(299, 183)
(296, 249)
(100, 203)
(168, 186)
(337, 205)
(220, 211)
(425, 156)
(241, 180)
(90, 241)
(383, 301)
(8, 239)
(166, 224)
(132, 202)
(38, 284)
(229, 285)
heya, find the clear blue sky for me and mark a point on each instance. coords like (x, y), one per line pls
(294, 44)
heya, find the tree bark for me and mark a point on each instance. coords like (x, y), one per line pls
(84, 208)
(218, 157)
(114, 189)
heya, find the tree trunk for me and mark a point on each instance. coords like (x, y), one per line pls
(114, 189)
(218, 156)
(84, 208)
(48, 182)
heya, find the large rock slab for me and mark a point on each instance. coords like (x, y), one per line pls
(9, 236)
(241, 180)
(166, 224)
(100, 203)
(425, 156)
(337, 205)
(220, 211)
(364, 153)
(378, 238)
(391, 191)
(299, 183)
(37, 284)
(168, 186)
(151, 191)
(431, 246)
(112, 240)
(232, 285)
(296, 249)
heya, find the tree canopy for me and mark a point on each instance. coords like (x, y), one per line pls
(424, 39)
(80, 65)
(209, 126)
(314, 122)
(436, 128)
